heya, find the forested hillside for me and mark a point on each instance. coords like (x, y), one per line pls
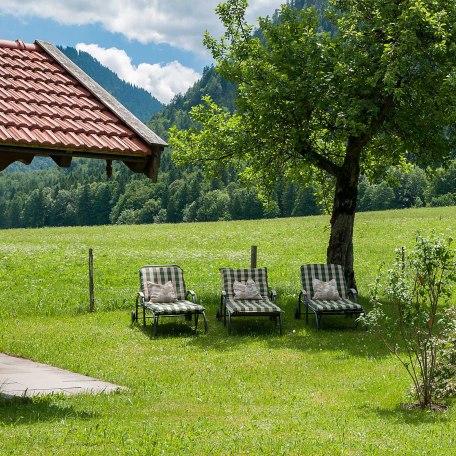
(42, 194)
(176, 113)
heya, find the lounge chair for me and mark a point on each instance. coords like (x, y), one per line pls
(324, 292)
(245, 293)
(163, 294)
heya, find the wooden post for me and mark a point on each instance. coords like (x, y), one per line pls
(92, 298)
(253, 256)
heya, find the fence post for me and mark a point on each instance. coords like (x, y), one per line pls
(91, 293)
(253, 256)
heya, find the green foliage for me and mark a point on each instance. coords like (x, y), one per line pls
(83, 195)
(376, 91)
(418, 287)
(176, 113)
(303, 93)
(444, 375)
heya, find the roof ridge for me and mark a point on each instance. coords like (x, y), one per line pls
(19, 44)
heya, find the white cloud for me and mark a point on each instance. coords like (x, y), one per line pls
(162, 81)
(180, 23)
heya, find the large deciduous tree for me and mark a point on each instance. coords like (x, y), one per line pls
(378, 90)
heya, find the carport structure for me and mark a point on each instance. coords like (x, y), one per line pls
(50, 107)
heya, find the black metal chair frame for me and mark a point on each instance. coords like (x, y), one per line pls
(227, 316)
(303, 300)
(140, 302)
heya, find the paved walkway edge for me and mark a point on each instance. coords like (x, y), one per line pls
(26, 378)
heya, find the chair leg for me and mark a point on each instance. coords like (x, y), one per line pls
(229, 323)
(297, 311)
(156, 324)
(205, 322)
(196, 322)
(318, 319)
(144, 316)
(307, 314)
(220, 311)
(280, 324)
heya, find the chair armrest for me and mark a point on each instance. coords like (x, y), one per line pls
(192, 294)
(354, 293)
(273, 295)
(302, 295)
(140, 296)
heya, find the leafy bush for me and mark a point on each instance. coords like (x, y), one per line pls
(443, 200)
(420, 331)
(444, 378)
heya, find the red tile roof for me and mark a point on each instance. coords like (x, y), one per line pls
(49, 106)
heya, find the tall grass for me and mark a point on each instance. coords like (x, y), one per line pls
(336, 391)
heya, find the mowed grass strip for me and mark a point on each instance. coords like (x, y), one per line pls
(336, 391)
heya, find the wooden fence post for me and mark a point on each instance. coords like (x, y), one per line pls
(253, 256)
(91, 293)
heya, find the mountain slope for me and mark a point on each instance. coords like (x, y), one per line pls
(176, 113)
(140, 102)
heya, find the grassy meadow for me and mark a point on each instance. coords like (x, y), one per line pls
(336, 391)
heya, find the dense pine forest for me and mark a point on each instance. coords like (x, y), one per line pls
(83, 195)
(42, 194)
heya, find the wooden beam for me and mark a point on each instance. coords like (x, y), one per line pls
(152, 164)
(64, 161)
(47, 152)
(7, 159)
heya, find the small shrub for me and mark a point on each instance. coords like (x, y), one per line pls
(420, 331)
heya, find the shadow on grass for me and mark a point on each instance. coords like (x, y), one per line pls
(169, 328)
(336, 333)
(414, 416)
(28, 410)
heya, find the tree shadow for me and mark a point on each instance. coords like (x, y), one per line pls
(27, 410)
(414, 416)
(336, 333)
(169, 328)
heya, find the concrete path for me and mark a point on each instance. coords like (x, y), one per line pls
(22, 377)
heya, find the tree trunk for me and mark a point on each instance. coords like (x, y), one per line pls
(340, 248)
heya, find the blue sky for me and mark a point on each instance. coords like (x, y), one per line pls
(154, 44)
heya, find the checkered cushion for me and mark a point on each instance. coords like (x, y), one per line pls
(324, 272)
(161, 275)
(175, 308)
(238, 306)
(259, 275)
(331, 306)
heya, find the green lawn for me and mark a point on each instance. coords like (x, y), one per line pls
(337, 391)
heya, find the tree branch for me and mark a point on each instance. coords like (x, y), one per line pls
(308, 153)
